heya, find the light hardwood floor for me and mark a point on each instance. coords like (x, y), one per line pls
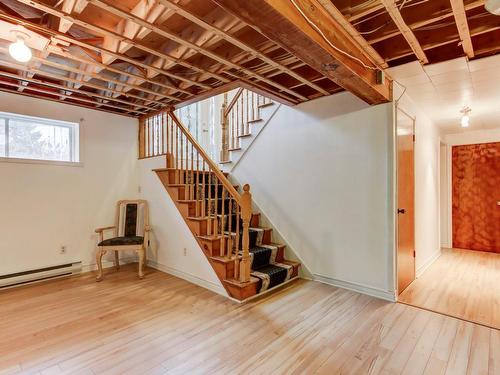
(162, 324)
(461, 283)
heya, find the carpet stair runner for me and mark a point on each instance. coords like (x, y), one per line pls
(269, 267)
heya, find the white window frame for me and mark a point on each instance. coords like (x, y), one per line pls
(74, 128)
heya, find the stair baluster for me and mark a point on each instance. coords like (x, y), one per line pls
(236, 119)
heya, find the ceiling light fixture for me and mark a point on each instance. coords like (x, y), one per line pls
(465, 117)
(493, 6)
(19, 50)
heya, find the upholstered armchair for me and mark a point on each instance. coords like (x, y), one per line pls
(130, 232)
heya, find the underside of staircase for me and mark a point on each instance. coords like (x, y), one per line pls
(269, 268)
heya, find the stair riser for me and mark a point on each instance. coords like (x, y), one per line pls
(199, 227)
(241, 293)
(226, 269)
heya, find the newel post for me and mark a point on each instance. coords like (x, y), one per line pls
(224, 153)
(246, 215)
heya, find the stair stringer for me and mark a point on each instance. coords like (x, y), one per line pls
(290, 253)
(266, 113)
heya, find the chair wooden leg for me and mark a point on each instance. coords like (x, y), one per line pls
(142, 256)
(98, 259)
(117, 261)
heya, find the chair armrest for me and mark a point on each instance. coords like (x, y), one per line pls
(100, 230)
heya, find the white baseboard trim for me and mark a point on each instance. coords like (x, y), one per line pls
(216, 288)
(356, 287)
(108, 263)
(423, 267)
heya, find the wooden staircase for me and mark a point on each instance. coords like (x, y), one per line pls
(218, 213)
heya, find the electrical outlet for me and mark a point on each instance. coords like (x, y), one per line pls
(185, 251)
(62, 250)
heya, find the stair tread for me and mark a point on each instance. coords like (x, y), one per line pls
(256, 120)
(265, 105)
(211, 237)
(234, 149)
(244, 135)
(237, 283)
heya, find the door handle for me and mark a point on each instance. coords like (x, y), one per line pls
(401, 211)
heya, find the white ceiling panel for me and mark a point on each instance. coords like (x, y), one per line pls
(447, 87)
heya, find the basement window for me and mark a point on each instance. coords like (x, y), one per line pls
(26, 138)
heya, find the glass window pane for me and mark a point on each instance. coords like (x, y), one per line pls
(32, 140)
(2, 137)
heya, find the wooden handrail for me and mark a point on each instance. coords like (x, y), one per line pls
(233, 101)
(216, 170)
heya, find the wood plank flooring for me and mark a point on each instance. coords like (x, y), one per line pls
(165, 325)
(461, 283)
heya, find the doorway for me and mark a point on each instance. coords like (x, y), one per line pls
(463, 281)
(476, 197)
(405, 131)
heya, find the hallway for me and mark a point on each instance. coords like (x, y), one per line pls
(460, 283)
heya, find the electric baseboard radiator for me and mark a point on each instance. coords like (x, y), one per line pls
(36, 275)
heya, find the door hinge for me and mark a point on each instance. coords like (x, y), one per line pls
(414, 254)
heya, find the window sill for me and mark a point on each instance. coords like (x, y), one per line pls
(40, 161)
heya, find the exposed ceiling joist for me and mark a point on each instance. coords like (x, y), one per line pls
(87, 94)
(71, 6)
(101, 50)
(306, 30)
(407, 33)
(463, 27)
(120, 38)
(106, 5)
(61, 77)
(183, 11)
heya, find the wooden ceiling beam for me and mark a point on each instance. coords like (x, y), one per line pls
(68, 89)
(37, 4)
(346, 25)
(183, 11)
(463, 27)
(294, 26)
(393, 10)
(106, 5)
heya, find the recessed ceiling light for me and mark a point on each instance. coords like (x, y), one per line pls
(19, 50)
(493, 6)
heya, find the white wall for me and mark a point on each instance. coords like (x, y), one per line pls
(45, 206)
(427, 210)
(471, 137)
(322, 173)
(173, 247)
(444, 177)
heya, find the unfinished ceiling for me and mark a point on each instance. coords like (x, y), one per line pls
(137, 56)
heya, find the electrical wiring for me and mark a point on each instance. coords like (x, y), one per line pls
(354, 58)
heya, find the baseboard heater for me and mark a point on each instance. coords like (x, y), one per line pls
(40, 274)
